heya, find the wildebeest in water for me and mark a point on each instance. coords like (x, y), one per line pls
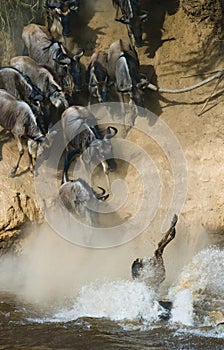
(152, 270)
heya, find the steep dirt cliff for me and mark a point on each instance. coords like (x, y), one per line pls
(184, 44)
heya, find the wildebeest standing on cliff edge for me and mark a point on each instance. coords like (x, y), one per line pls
(98, 77)
(44, 49)
(132, 16)
(83, 137)
(17, 117)
(19, 85)
(42, 78)
(124, 72)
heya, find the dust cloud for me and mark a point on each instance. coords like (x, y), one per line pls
(49, 269)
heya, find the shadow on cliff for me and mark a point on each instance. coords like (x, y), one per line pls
(154, 27)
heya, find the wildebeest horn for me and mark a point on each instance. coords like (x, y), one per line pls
(101, 196)
(90, 130)
(109, 134)
(38, 98)
(79, 54)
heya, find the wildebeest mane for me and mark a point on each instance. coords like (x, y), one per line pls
(35, 89)
(52, 42)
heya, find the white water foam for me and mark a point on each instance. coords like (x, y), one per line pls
(114, 300)
(198, 294)
(182, 311)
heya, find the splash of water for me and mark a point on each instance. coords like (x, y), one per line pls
(115, 300)
(197, 295)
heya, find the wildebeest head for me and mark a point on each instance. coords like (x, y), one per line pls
(76, 195)
(136, 268)
(100, 150)
(75, 70)
(127, 78)
(56, 95)
(62, 61)
(98, 76)
(98, 84)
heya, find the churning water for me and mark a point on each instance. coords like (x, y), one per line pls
(123, 314)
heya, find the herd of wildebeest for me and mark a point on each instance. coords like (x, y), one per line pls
(47, 78)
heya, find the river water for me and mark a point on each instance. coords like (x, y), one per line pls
(110, 313)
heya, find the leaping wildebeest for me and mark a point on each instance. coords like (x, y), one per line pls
(152, 270)
(42, 78)
(81, 200)
(124, 72)
(98, 77)
(17, 117)
(83, 137)
(132, 16)
(41, 47)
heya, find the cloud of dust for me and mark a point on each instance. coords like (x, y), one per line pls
(51, 269)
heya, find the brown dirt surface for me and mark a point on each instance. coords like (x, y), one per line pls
(183, 47)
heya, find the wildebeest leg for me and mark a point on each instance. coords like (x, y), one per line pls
(123, 113)
(32, 162)
(68, 159)
(169, 236)
(136, 30)
(106, 172)
(21, 152)
(130, 34)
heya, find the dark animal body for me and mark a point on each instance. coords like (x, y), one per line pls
(17, 117)
(124, 72)
(83, 137)
(19, 85)
(152, 270)
(132, 16)
(60, 11)
(44, 49)
(42, 78)
(98, 76)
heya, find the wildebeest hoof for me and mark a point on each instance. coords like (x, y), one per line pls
(139, 43)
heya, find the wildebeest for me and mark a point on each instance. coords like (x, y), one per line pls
(59, 11)
(124, 72)
(17, 117)
(98, 76)
(44, 49)
(81, 200)
(19, 85)
(132, 16)
(152, 270)
(83, 137)
(42, 78)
